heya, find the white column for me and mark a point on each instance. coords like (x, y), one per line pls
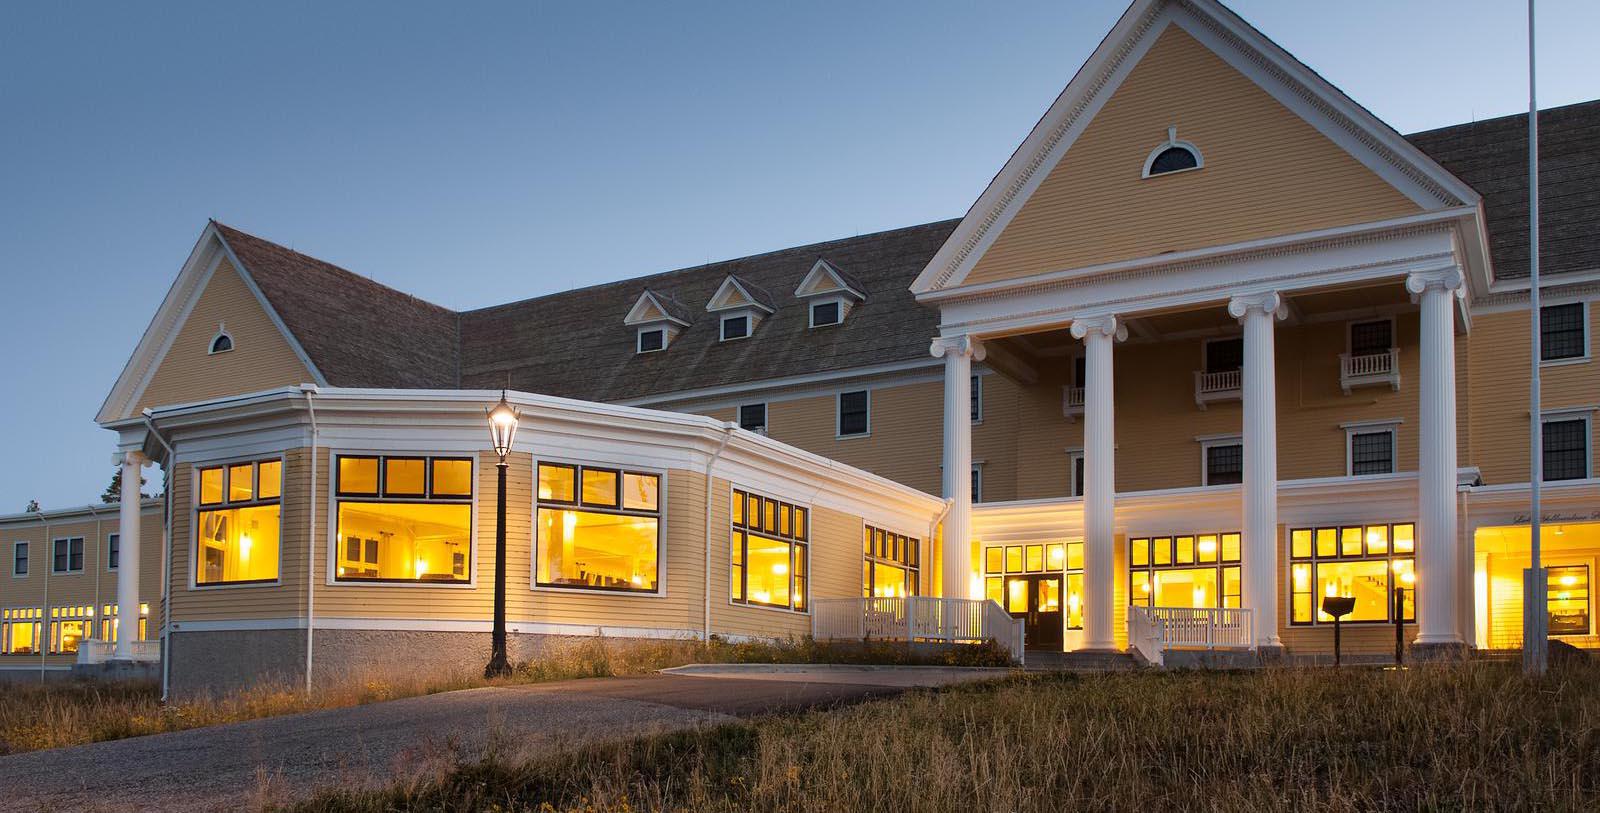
(1438, 621)
(958, 353)
(1259, 569)
(1099, 481)
(128, 557)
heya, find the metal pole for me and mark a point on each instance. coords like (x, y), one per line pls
(1399, 625)
(498, 666)
(1336, 620)
(1534, 608)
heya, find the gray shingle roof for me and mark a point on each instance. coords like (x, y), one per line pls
(1491, 156)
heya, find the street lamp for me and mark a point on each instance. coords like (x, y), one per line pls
(502, 431)
(1337, 606)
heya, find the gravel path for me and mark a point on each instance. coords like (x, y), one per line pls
(245, 766)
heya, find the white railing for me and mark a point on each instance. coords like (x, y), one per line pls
(1218, 386)
(1071, 401)
(1370, 368)
(917, 618)
(93, 651)
(1155, 630)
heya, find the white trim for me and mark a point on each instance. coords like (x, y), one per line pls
(823, 267)
(662, 495)
(1587, 352)
(1354, 428)
(636, 315)
(1207, 443)
(838, 415)
(333, 540)
(724, 294)
(1566, 415)
(1172, 142)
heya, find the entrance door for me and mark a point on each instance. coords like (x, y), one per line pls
(1037, 601)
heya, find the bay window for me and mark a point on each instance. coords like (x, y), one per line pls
(1364, 562)
(768, 561)
(598, 528)
(237, 527)
(404, 519)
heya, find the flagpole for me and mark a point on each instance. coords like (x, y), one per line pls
(1535, 608)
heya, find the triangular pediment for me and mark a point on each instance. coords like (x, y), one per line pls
(1284, 153)
(735, 294)
(652, 307)
(826, 278)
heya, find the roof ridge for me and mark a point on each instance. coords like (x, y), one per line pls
(1507, 117)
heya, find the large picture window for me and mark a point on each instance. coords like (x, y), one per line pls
(769, 562)
(68, 626)
(891, 564)
(1364, 562)
(404, 519)
(20, 630)
(1188, 570)
(237, 528)
(599, 528)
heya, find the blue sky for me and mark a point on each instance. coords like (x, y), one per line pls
(474, 155)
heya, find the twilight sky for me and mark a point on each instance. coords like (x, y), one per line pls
(475, 156)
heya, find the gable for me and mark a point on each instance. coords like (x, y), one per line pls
(260, 359)
(1266, 172)
(735, 293)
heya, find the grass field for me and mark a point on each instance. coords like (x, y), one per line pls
(36, 716)
(1474, 736)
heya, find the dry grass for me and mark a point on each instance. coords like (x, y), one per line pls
(1475, 736)
(36, 716)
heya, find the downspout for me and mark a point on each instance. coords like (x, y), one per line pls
(727, 434)
(44, 612)
(100, 539)
(166, 549)
(311, 534)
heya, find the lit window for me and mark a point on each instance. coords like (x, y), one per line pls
(19, 559)
(237, 538)
(1562, 332)
(110, 626)
(652, 340)
(414, 524)
(735, 327)
(68, 555)
(768, 562)
(1364, 562)
(1568, 598)
(824, 314)
(68, 626)
(1224, 464)
(854, 413)
(20, 631)
(890, 564)
(1372, 452)
(113, 551)
(1010, 570)
(1566, 449)
(1188, 570)
(598, 529)
(753, 417)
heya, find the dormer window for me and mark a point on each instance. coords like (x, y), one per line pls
(652, 339)
(1172, 156)
(659, 319)
(735, 327)
(830, 293)
(826, 313)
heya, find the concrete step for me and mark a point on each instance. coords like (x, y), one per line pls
(1045, 661)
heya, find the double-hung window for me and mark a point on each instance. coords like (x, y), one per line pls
(599, 528)
(1364, 562)
(113, 551)
(404, 519)
(1566, 448)
(1224, 463)
(768, 562)
(68, 555)
(1562, 332)
(854, 413)
(890, 564)
(19, 559)
(1371, 451)
(1371, 338)
(237, 530)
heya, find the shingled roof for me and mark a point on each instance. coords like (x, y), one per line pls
(1491, 156)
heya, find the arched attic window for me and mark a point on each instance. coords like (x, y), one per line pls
(1172, 155)
(222, 342)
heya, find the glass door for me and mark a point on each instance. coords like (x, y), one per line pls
(1037, 600)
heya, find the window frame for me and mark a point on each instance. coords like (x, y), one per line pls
(221, 334)
(1583, 319)
(977, 481)
(1350, 330)
(34, 617)
(1588, 599)
(838, 415)
(911, 563)
(1371, 428)
(766, 412)
(1074, 481)
(1389, 557)
(113, 551)
(577, 504)
(1171, 143)
(1568, 416)
(638, 343)
(1220, 563)
(22, 544)
(335, 496)
(811, 312)
(722, 327)
(55, 554)
(196, 508)
(794, 542)
(1205, 352)
(1206, 445)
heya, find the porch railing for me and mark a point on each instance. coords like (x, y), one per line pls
(917, 619)
(1368, 369)
(1218, 386)
(1153, 631)
(92, 651)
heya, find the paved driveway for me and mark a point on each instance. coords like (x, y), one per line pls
(274, 760)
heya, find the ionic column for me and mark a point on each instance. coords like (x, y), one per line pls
(1259, 568)
(958, 353)
(128, 557)
(1099, 481)
(1437, 570)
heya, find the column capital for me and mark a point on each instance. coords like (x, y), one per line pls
(137, 458)
(963, 345)
(1268, 302)
(1450, 280)
(1105, 325)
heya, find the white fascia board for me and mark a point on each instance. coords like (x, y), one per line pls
(823, 268)
(749, 302)
(636, 315)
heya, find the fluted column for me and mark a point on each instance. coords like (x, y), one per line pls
(958, 353)
(1099, 481)
(128, 557)
(1438, 623)
(1259, 568)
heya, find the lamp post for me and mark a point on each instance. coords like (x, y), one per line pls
(1403, 579)
(1337, 606)
(502, 431)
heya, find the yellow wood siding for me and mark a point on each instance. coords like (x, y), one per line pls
(1266, 172)
(260, 359)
